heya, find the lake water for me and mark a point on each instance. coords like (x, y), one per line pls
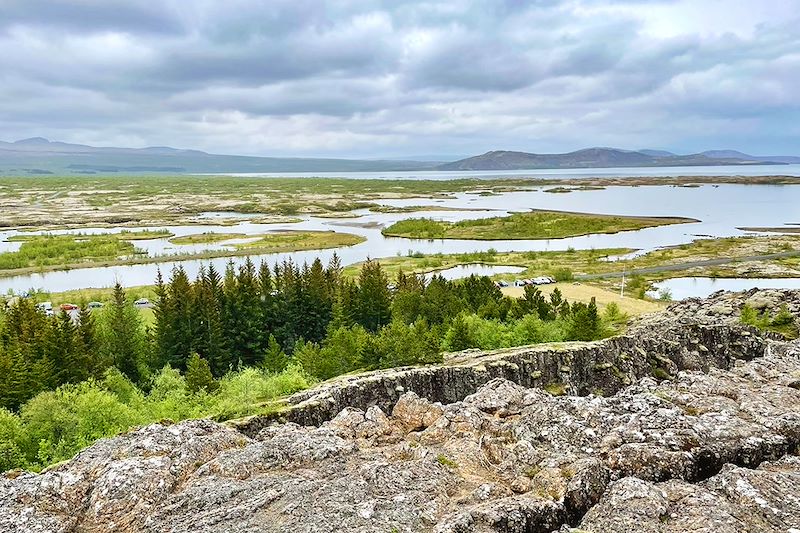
(564, 173)
(720, 209)
(681, 288)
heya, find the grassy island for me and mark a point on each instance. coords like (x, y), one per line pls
(206, 238)
(531, 225)
(41, 253)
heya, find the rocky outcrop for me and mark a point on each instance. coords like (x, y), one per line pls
(576, 368)
(708, 449)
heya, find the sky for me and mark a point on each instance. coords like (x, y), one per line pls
(369, 79)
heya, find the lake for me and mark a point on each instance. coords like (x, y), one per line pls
(720, 209)
(680, 288)
(564, 173)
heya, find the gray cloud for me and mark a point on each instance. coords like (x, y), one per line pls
(370, 77)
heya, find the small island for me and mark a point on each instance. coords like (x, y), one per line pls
(530, 225)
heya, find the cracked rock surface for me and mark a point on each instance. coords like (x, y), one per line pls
(711, 451)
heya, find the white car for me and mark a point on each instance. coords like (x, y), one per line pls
(46, 308)
(142, 302)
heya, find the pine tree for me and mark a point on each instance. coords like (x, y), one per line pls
(163, 333)
(182, 313)
(124, 335)
(198, 374)
(211, 340)
(458, 336)
(319, 300)
(274, 358)
(89, 346)
(374, 298)
(243, 314)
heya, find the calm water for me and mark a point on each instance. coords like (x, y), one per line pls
(720, 208)
(681, 288)
(565, 173)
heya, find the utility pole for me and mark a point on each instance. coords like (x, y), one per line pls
(622, 286)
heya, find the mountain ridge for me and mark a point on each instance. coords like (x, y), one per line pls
(592, 158)
(38, 155)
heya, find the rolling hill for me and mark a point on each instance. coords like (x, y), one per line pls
(591, 158)
(41, 156)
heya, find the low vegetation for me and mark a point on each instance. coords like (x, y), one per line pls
(64, 252)
(206, 238)
(293, 241)
(782, 322)
(532, 225)
(39, 251)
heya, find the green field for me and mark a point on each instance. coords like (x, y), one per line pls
(532, 225)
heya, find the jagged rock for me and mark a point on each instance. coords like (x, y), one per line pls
(712, 448)
(734, 501)
(415, 412)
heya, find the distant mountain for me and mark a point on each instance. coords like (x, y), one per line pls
(735, 154)
(38, 155)
(656, 153)
(590, 158)
(41, 156)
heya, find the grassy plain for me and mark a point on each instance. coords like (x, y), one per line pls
(531, 225)
(582, 292)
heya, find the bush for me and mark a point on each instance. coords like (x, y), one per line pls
(60, 423)
(563, 274)
(11, 436)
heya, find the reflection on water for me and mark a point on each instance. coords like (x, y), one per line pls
(680, 288)
(721, 210)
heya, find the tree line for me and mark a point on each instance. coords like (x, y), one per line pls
(268, 317)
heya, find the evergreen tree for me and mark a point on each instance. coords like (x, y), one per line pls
(124, 335)
(274, 358)
(440, 301)
(89, 345)
(211, 341)
(458, 336)
(163, 333)
(182, 312)
(243, 314)
(319, 296)
(198, 374)
(374, 298)
(407, 298)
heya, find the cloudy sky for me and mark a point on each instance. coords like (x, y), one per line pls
(365, 78)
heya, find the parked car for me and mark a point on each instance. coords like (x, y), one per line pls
(94, 305)
(45, 307)
(502, 283)
(69, 307)
(142, 302)
(520, 282)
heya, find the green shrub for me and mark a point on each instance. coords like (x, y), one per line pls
(563, 274)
